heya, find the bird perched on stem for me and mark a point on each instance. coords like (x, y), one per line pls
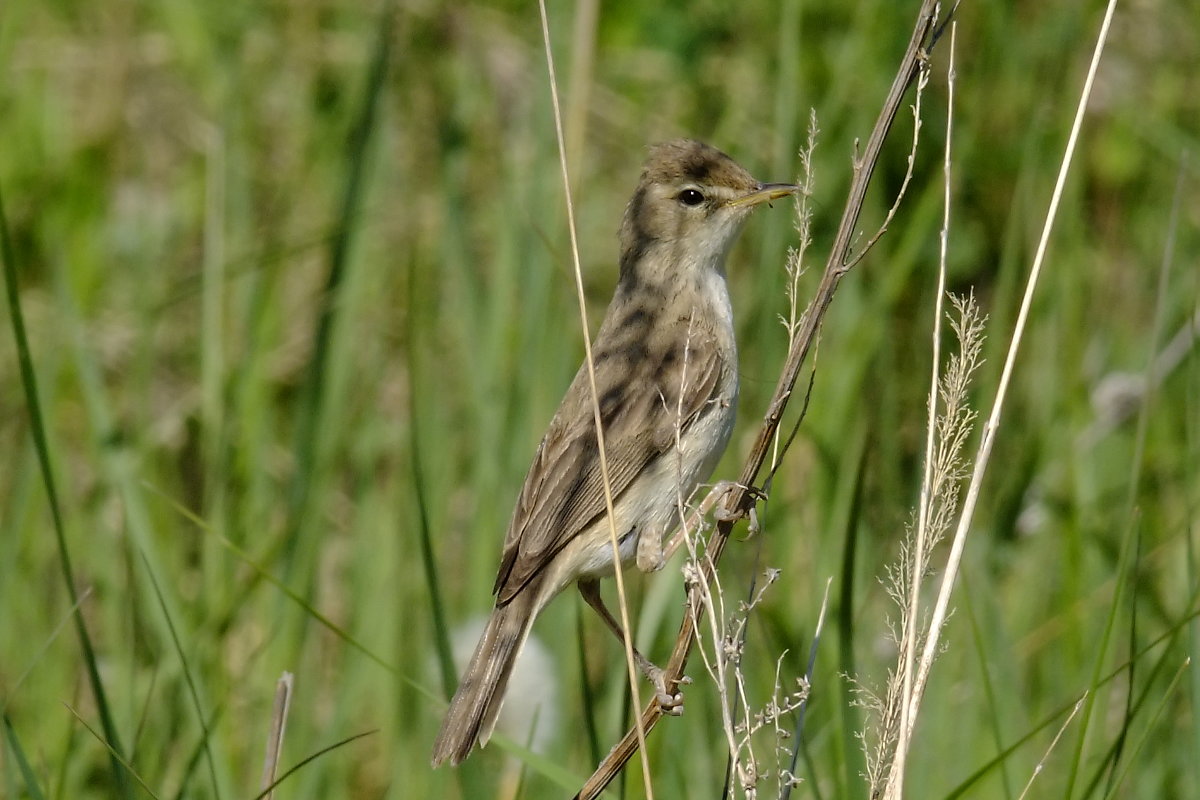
(666, 376)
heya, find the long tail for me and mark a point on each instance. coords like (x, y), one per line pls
(476, 705)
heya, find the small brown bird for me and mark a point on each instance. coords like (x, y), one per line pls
(666, 375)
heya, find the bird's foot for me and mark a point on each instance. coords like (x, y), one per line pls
(722, 509)
(670, 702)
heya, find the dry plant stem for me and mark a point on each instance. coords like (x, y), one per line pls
(723, 665)
(836, 266)
(795, 266)
(920, 558)
(989, 431)
(591, 368)
(579, 82)
(922, 80)
(785, 790)
(279, 714)
(716, 668)
(1037, 770)
(803, 226)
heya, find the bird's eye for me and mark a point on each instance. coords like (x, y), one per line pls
(691, 197)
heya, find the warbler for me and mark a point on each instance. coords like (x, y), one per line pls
(666, 376)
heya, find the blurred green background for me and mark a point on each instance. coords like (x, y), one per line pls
(296, 280)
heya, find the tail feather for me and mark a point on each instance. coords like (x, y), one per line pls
(476, 705)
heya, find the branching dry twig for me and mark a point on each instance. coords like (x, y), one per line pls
(922, 80)
(724, 666)
(836, 267)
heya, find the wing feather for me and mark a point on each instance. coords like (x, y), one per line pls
(645, 392)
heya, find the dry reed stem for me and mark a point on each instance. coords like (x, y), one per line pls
(623, 603)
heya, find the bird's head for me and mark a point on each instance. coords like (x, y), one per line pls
(689, 206)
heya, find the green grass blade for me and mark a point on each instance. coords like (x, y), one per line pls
(994, 714)
(187, 676)
(263, 573)
(316, 382)
(12, 691)
(853, 758)
(42, 446)
(441, 633)
(123, 764)
(1132, 530)
(193, 759)
(30, 777)
(308, 760)
(589, 698)
(975, 777)
(1141, 742)
(1111, 760)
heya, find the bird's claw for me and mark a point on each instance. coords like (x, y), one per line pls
(671, 703)
(722, 512)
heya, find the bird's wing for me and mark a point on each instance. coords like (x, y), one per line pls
(645, 395)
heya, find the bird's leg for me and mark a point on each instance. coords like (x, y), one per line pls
(652, 555)
(671, 703)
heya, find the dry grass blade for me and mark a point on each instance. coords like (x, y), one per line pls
(1054, 743)
(623, 604)
(837, 265)
(279, 714)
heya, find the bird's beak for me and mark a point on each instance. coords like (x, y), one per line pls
(765, 193)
